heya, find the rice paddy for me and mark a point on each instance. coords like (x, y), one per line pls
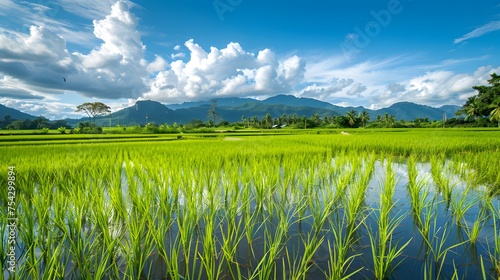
(417, 204)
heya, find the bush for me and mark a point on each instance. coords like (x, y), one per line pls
(62, 129)
(88, 130)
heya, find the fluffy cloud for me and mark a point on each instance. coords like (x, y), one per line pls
(39, 61)
(434, 88)
(41, 64)
(230, 71)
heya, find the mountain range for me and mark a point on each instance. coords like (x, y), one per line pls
(233, 109)
(14, 114)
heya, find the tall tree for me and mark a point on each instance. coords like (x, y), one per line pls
(212, 113)
(93, 109)
(392, 120)
(316, 119)
(351, 117)
(495, 113)
(472, 109)
(365, 117)
(268, 120)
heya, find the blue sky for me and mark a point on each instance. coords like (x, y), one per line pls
(350, 53)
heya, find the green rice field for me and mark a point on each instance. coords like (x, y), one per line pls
(367, 204)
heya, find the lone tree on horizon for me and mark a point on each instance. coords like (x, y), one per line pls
(93, 109)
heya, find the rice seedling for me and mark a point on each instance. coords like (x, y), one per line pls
(494, 248)
(461, 204)
(384, 252)
(437, 250)
(300, 265)
(210, 258)
(442, 182)
(231, 238)
(474, 230)
(343, 237)
(273, 245)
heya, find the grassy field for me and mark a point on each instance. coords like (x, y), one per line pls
(276, 204)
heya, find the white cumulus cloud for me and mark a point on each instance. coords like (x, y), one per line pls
(230, 71)
(434, 88)
(40, 61)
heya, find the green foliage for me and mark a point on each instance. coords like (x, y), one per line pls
(37, 123)
(93, 109)
(481, 104)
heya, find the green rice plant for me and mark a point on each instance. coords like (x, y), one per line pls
(427, 217)
(78, 238)
(320, 211)
(418, 192)
(436, 251)
(354, 199)
(302, 264)
(108, 235)
(473, 231)
(343, 238)
(384, 251)
(29, 268)
(443, 183)
(275, 238)
(210, 258)
(420, 201)
(231, 238)
(273, 245)
(494, 253)
(187, 244)
(462, 203)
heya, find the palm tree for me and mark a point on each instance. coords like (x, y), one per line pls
(268, 120)
(351, 117)
(283, 119)
(472, 111)
(495, 113)
(392, 119)
(316, 119)
(365, 117)
(386, 119)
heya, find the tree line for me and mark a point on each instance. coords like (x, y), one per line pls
(38, 123)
